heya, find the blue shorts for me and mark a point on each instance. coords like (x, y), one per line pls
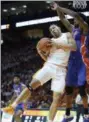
(19, 107)
(76, 74)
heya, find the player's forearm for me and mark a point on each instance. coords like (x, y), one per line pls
(71, 45)
(60, 13)
(68, 47)
(44, 57)
(65, 22)
(74, 14)
(67, 11)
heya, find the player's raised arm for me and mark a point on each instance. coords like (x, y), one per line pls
(66, 23)
(82, 23)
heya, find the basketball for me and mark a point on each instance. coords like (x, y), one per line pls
(42, 44)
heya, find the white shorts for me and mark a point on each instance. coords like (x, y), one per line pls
(56, 73)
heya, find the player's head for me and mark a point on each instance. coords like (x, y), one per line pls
(76, 22)
(55, 31)
(16, 79)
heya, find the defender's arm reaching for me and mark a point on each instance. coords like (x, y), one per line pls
(59, 9)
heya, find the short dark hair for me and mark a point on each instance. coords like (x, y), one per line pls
(16, 75)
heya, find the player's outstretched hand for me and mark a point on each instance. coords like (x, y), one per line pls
(54, 5)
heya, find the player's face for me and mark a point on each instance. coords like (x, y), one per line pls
(16, 80)
(76, 23)
(55, 31)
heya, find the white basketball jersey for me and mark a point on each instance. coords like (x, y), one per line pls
(59, 56)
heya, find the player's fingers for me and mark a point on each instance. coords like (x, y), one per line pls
(53, 6)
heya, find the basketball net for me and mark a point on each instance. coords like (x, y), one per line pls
(79, 4)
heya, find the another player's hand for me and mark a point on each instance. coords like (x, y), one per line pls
(54, 5)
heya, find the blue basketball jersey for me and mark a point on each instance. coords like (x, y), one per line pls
(18, 88)
(76, 75)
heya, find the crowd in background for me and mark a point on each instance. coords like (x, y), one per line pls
(24, 61)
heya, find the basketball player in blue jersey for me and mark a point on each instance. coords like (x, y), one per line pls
(76, 76)
(17, 89)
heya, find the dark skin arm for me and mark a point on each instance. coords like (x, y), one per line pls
(82, 24)
(62, 17)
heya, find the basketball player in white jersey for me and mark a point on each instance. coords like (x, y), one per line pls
(56, 56)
